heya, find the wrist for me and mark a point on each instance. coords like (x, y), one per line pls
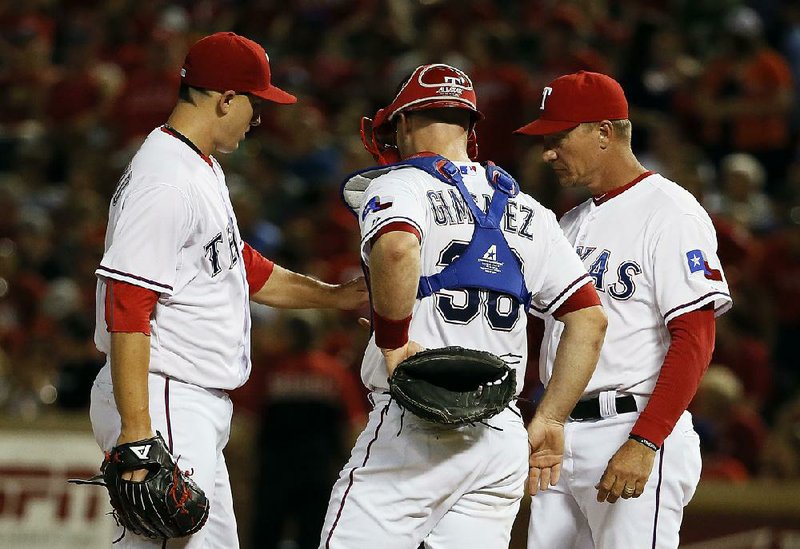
(132, 433)
(643, 441)
(389, 333)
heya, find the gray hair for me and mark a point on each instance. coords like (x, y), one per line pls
(622, 127)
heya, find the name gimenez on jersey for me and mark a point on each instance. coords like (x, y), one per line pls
(448, 208)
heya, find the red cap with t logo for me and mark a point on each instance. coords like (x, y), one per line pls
(576, 98)
(226, 61)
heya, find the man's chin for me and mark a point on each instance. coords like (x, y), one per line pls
(227, 149)
(566, 180)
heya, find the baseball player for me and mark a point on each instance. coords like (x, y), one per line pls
(176, 279)
(410, 481)
(651, 252)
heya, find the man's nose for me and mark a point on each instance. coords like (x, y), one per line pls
(548, 155)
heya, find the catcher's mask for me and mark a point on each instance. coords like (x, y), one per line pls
(431, 86)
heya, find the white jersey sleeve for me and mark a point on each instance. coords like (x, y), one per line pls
(564, 273)
(152, 224)
(391, 198)
(688, 274)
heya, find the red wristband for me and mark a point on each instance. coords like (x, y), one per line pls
(390, 334)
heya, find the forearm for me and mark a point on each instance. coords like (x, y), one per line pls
(692, 344)
(394, 274)
(575, 361)
(286, 289)
(130, 361)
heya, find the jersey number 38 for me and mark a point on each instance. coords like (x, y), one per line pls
(500, 310)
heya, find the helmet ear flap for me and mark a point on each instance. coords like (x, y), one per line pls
(472, 144)
(379, 141)
(368, 137)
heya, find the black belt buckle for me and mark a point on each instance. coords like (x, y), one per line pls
(590, 409)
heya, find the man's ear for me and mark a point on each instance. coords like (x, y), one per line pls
(606, 133)
(225, 100)
(401, 117)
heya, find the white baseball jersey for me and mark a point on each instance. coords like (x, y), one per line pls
(172, 229)
(476, 319)
(652, 254)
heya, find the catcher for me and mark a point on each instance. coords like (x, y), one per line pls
(456, 256)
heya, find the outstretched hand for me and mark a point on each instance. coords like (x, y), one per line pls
(546, 441)
(352, 294)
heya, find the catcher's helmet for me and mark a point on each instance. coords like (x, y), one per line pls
(432, 86)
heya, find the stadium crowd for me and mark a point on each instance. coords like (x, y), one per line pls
(714, 107)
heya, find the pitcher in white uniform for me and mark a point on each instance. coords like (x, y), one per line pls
(651, 251)
(410, 481)
(175, 282)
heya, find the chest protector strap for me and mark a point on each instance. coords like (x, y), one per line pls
(488, 262)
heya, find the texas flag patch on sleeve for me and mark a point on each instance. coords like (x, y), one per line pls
(376, 204)
(698, 262)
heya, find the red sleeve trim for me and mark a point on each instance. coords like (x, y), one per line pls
(258, 268)
(128, 307)
(584, 297)
(395, 226)
(686, 361)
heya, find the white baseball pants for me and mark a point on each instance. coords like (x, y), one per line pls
(195, 424)
(568, 515)
(409, 481)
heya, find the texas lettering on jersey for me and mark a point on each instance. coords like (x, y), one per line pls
(623, 286)
(448, 208)
(212, 250)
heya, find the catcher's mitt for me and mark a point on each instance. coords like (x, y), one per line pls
(453, 385)
(166, 504)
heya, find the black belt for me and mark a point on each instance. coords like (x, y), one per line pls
(590, 409)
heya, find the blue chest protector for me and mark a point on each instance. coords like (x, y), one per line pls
(488, 262)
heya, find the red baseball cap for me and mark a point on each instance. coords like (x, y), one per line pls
(576, 98)
(226, 61)
(431, 87)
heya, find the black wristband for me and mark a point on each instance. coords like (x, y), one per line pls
(644, 441)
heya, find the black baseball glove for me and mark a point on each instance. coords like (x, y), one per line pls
(166, 504)
(453, 385)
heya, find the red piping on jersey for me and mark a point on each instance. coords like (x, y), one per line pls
(166, 411)
(134, 277)
(658, 496)
(619, 190)
(583, 277)
(352, 474)
(169, 130)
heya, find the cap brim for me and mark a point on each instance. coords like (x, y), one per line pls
(545, 127)
(276, 95)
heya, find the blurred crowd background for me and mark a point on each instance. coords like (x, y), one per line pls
(713, 95)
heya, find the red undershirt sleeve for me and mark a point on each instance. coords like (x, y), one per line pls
(258, 268)
(585, 296)
(685, 363)
(395, 226)
(128, 307)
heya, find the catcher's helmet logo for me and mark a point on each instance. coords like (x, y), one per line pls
(545, 92)
(142, 452)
